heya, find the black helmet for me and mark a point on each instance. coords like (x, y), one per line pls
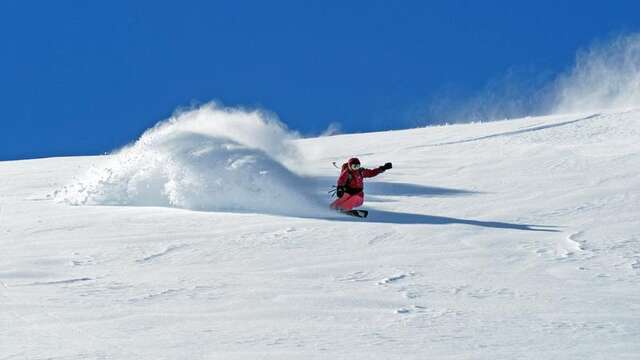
(354, 163)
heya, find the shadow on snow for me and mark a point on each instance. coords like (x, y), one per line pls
(382, 188)
(389, 217)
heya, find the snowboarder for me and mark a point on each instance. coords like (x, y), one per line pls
(350, 185)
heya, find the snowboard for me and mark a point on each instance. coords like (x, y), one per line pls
(356, 213)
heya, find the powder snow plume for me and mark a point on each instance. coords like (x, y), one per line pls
(210, 158)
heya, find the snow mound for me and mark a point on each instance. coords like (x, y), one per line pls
(211, 158)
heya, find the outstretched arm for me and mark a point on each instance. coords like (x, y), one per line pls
(373, 172)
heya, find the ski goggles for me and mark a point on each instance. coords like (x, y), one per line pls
(355, 166)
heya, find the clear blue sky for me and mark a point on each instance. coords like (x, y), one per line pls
(86, 77)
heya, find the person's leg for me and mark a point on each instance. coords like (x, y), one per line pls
(348, 202)
(338, 204)
(356, 200)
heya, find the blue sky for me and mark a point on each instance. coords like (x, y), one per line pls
(86, 77)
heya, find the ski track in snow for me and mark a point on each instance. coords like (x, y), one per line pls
(446, 266)
(392, 279)
(169, 249)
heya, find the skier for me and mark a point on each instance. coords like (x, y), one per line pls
(350, 185)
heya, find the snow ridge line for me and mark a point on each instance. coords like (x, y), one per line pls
(58, 282)
(55, 282)
(508, 133)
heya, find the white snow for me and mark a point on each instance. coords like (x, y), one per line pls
(505, 240)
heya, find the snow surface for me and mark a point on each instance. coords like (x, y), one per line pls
(506, 240)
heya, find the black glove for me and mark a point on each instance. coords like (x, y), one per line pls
(387, 166)
(340, 191)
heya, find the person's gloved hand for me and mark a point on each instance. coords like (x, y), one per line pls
(340, 191)
(387, 166)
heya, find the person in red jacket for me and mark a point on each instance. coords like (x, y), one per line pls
(350, 185)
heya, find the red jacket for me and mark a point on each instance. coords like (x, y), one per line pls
(352, 179)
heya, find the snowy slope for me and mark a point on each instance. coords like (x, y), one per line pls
(503, 240)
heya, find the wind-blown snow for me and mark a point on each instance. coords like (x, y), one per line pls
(210, 158)
(605, 77)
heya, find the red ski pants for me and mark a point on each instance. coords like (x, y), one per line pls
(348, 202)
